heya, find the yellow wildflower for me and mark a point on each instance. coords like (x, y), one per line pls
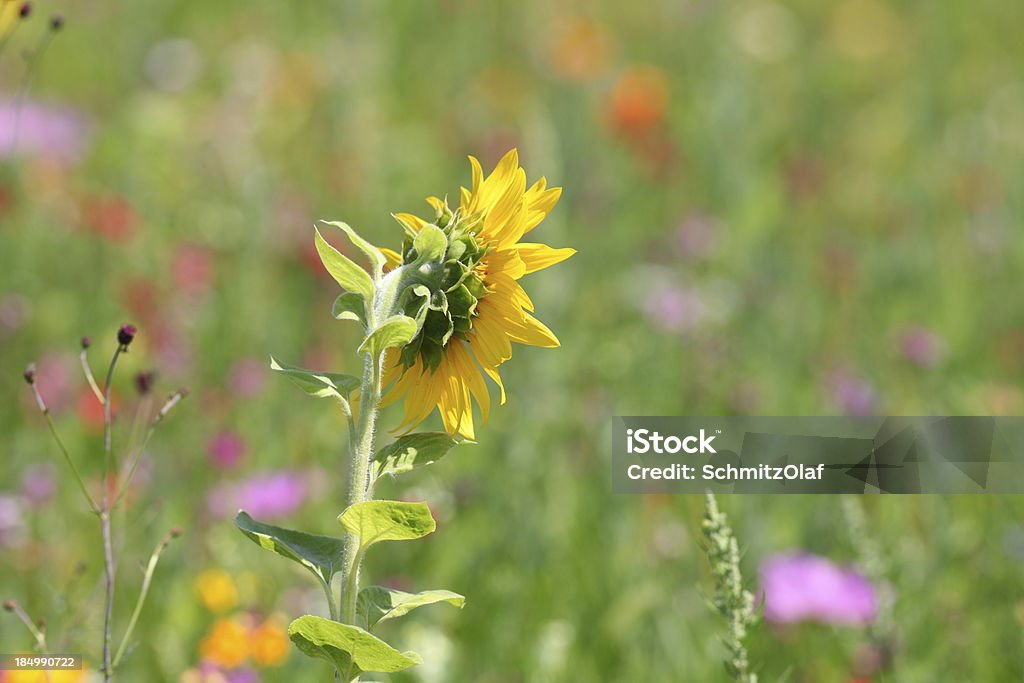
(216, 590)
(269, 644)
(226, 645)
(37, 676)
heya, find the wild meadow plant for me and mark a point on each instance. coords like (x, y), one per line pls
(12, 15)
(730, 599)
(436, 317)
(873, 563)
(114, 484)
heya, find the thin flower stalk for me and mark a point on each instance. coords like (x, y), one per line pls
(112, 490)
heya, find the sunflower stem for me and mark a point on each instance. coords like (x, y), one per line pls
(362, 439)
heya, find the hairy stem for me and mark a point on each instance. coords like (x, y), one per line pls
(359, 478)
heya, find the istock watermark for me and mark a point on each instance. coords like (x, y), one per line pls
(944, 454)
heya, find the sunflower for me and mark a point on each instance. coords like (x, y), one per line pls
(476, 309)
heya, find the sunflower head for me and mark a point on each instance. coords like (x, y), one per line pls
(446, 309)
(460, 286)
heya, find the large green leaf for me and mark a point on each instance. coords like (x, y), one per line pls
(344, 271)
(377, 603)
(322, 555)
(398, 330)
(387, 520)
(349, 648)
(411, 451)
(314, 383)
(320, 384)
(375, 255)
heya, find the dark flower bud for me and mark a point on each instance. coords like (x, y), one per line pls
(126, 334)
(10, 605)
(25, 10)
(30, 374)
(175, 532)
(41, 622)
(183, 392)
(144, 381)
(56, 22)
(86, 343)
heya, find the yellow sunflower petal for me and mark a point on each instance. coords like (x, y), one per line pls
(535, 333)
(410, 221)
(393, 258)
(540, 256)
(493, 374)
(454, 402)
(506, 261)
(467, 367)
(423, 395)
(489, 342)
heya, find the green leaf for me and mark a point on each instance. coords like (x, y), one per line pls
(349, 648)
(377, 603)
(411, 451)
(350, 306)
(387, 520)
(376, 256)
(347, 274)
(320, 384)
(430, 243)
(398, 330)
(322, 555)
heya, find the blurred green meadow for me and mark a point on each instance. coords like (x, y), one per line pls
(780, 208)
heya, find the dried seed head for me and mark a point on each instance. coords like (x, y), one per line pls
(56, 22)
(86, 343)
(25, 10)
(30, 373)
(10, 605)
(175, 532)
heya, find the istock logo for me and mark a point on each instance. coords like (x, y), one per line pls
(642, 441)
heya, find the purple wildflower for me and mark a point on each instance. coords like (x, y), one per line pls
(40, 131)
(696, 236)
(853, 394)
(267, 496)
(38, 484)
(799, 587)
(921, 347)
(226, 450)
(675, 309)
